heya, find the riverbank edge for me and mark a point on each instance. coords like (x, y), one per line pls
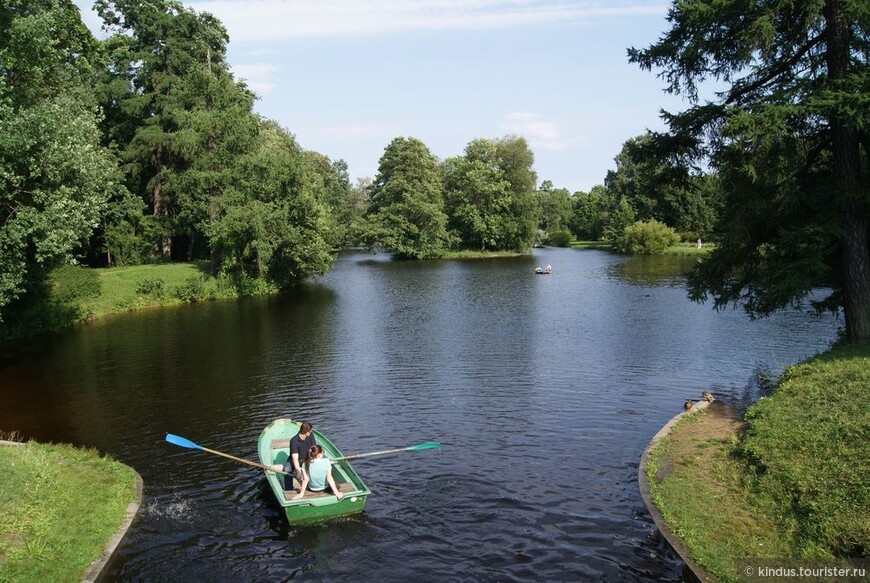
(97, 568)
(673, 540)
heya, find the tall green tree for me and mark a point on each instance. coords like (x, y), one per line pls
(338, 194)
(406, 211)
(168, 69)
(620, 216)
(491, 194)
(789, 139)
(516, 161)
(555, 209)
(587, 214)
(273, 224)
(218, 113)
(477, 196)
(55, 178)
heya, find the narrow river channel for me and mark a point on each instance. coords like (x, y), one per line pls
(543, 390)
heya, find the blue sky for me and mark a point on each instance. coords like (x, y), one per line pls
(348, 76)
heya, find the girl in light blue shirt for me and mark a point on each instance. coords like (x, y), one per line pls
(318, 474)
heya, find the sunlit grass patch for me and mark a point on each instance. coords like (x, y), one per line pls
(59, 506)
(473, 254)
(590, 245)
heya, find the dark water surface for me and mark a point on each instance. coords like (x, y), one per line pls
(544, 391)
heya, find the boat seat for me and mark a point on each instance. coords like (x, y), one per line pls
(345, 487)
(280, 443)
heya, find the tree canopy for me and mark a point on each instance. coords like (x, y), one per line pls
(788, 138)
(406, 210)
(55, 177)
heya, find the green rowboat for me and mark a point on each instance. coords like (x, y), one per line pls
(273, 447)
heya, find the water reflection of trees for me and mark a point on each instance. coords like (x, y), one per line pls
(654, 270)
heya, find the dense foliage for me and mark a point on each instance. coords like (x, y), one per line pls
(144, 148)
(788, 139)
(55, 178)
(490, 195)
(406, 211)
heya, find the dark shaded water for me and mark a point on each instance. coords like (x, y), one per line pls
(544, 391)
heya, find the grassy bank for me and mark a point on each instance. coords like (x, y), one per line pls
(124, 289)
(789, 481)
(59, 506)
(590, 245)
(468, 254)
(76, 294)
(679, 249)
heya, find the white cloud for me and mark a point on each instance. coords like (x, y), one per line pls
(250, 20)
(259, 77)
(540, 132)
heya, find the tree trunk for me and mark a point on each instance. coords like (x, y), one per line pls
(847, 172)
(161, 205)
(214, 256)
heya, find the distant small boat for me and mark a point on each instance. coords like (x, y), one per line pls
(273, 448)
(542, 272)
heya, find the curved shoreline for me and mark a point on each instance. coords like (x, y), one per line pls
(643, 484)
(98, 566)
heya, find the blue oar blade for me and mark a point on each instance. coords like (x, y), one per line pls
(180, 441)
(427, 445)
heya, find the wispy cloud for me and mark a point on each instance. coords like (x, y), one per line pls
(259, 77)
(249, 20)
(540, 132)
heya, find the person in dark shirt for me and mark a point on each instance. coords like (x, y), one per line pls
(300, 444)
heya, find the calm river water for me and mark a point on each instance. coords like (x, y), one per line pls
(543, 390)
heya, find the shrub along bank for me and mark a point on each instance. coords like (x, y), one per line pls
(791, 484)
(59, 506)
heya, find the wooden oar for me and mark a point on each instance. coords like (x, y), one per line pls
(182, 442)
(427, 445)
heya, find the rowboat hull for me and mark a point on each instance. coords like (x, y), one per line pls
(273, 448)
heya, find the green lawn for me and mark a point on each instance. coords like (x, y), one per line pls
(59, 506)
(469, 254)
(679, 249)
(123, 289)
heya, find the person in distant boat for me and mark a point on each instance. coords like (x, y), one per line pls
(539, 270)
(318, 474)
(300, 445)
(549, 268)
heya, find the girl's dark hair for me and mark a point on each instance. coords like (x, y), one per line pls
(305, 427)
(313, 452)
